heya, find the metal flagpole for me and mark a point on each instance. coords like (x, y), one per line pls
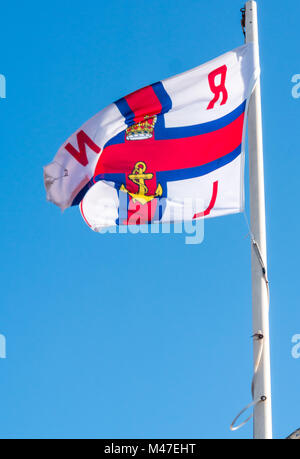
(260, 296)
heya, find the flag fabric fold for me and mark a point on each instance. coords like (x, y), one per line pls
(171, 151)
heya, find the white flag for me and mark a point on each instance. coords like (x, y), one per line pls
(171, 151)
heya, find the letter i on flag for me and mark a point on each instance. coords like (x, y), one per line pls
(141, 158)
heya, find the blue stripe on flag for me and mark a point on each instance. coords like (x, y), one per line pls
(193, 172)
(125, 110)
(165, 133)
(162, 96)
(165, 176)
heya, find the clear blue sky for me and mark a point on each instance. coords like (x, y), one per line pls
(136, 336)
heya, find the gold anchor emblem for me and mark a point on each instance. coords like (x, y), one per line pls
(138, 177)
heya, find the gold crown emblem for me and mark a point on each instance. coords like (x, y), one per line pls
(142, 130)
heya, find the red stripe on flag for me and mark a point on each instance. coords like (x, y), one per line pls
(144, 102)
(171, 154)
(211, 204)
(82, 213)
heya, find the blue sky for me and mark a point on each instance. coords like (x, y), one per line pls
(136, 336)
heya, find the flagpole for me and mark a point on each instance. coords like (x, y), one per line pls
(262, 421)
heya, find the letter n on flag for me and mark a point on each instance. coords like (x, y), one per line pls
(177, 141)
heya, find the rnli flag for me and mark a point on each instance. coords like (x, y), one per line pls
(149, 155)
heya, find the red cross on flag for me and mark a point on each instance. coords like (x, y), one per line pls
(171, 151)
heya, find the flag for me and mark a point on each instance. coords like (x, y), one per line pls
(173, 150)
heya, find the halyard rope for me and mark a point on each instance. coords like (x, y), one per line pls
(259, 337)
(258, 254)
(233, 427)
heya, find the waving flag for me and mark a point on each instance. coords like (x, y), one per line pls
(142, 158)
